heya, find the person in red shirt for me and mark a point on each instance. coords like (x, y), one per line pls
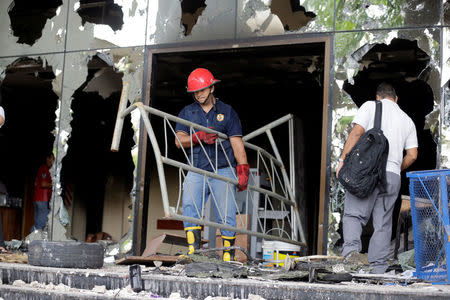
(42, 193)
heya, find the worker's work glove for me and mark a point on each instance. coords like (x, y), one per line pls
(243, 171)
(207, 138)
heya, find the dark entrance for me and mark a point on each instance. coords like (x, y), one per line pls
(262, 84)
(26, 138)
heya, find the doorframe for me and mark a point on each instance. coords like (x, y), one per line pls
(141, 204)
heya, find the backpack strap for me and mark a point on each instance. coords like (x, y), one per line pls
(378, 112)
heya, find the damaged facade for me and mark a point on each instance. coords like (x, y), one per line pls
(326, 58)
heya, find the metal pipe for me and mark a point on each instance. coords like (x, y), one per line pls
(183, 121)
(267, 127)
(130, 109)
(264, 152)
(178, 164)
(285, 177)
(158, 158)
(119, 119)
(292, 173)
(235, 229)
(220, 134)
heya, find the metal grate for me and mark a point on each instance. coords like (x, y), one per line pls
(429, 192)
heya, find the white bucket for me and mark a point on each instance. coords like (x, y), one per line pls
(272, 249)
(267, 247)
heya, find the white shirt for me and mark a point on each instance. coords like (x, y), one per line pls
(397, 127)
(2, 113)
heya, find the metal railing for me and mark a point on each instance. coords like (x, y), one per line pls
(278, 216)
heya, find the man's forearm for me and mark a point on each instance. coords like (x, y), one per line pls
(238, 150)
(351, 141)
(407, 161)
(410, 157)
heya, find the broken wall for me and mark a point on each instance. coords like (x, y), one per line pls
(72, 37)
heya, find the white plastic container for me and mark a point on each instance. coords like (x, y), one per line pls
(272, 249)
(267, 247)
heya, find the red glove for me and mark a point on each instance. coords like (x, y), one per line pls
(207, 138)
(243, 171)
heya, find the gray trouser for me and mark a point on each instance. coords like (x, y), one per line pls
(357, 212)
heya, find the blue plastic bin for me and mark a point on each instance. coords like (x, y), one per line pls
(429, 194)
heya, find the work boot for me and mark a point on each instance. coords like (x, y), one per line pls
(228, 241)
(193, 237)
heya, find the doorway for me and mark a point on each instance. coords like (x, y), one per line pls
(262, 81)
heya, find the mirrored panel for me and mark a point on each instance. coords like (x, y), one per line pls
(106, 24)
(172, 21)
(100, 200)
(276, 17)
(32, 27)
(446, 12)
(371, 14)
(407, 59)
(445, 84)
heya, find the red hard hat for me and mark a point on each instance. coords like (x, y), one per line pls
(200, 79)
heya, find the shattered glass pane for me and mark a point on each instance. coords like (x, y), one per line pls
(48, 33)
(276, 17)
(106, 24)
(41, 76)
(167, 23)
(112, 68)
(370, 14)
(350, 60)
(446, 12)
(445, 83)
(28, 19)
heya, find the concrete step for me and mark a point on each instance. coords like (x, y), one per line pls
(116, 277)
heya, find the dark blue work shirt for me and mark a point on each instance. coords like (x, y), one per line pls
(223, 119)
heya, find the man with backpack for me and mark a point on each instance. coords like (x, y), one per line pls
(400, 133)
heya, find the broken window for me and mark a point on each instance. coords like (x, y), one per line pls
(190, 12)
(28, 18)
(447, 13)
(363, 14)
(403, 64)
(101, 12)
(26, 137)
(291, 13)
(96, 182)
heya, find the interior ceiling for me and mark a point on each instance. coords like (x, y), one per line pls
(32, 73)
(28, 72)
(399, 62)
(101, 12)
(28, 18)
(274, 66)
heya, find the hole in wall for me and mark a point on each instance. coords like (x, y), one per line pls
(97, 182)
(28, 18)
(26, 137)
(404, 65)
(101, 12)
(291, 13)
(191, 10)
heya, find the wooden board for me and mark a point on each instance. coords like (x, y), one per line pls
(129, 260)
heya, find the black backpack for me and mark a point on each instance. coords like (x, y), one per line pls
(365, 165)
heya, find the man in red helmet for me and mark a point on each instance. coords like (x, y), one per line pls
(208, 111)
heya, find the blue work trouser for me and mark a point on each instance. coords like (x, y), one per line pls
(198, 188)
(41, 211)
